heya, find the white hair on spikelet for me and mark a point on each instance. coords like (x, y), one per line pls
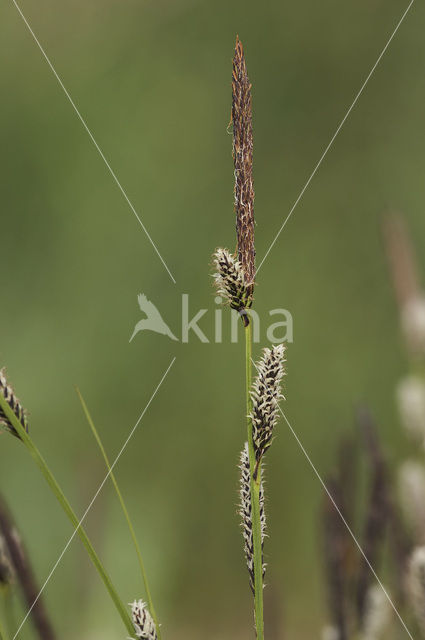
(144, 625)
(265, 395)
(416, 585)
(230, 280)
(245, 512)
(411, 485)
(329, 632)
(377, 614)
(411, 405)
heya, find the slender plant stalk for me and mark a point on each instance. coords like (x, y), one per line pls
(124, 509)
(8, 608)
(51, 481)
(3, 635)
(255, 493)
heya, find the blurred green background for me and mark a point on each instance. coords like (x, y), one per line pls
(152, 80)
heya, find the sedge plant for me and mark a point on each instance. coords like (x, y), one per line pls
(235, 279)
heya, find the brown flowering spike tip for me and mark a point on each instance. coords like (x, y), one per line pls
(9, 395)
(242, 158)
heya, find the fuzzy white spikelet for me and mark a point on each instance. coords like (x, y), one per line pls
(265, 395)
(330, 633)
(144, 625)
(246, 514)
(411, 485)
(230, 280)
(413, 323)
(377, 614)
(411, 404)
(13, 402)
(416, 585)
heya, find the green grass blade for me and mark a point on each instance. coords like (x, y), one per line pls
(57, 491)
(3, 635)
(124, 509)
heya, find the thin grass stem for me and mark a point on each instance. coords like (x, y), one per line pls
(57, 491)
(8, 610)
(3, 633)
(124, 509)
(255, 483)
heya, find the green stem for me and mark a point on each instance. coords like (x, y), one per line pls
(8, 608)
(255, 493)
(54, 486)
(124, 509)
(3, 634)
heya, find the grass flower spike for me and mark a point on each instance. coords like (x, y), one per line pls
(411, 404)
(246, 515)
(411, 485)
(231, 282)
(416, 585)
(235, 279)
(9, 396)
(144, 625)
(265, 395)
(242, 158)
(377, 614)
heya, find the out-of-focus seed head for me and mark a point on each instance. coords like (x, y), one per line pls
(411, 404)
(416, 585)
(413, 323)
(377, 614)
(411, 485)
(329, 632)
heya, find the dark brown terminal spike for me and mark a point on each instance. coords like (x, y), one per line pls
(334, 552)
(378, 513)
(24, 573)
(242, 158)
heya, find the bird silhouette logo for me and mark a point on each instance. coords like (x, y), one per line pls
(153, 321)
